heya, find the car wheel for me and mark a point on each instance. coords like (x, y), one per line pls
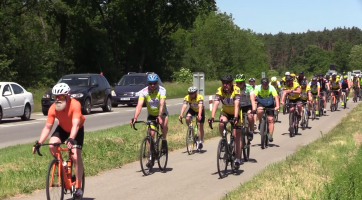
(115, 105)
(87, 108)
(45, 112)
(129, 104)
(108, 106)
(27, 113)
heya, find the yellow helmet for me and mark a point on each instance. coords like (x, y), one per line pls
(292, 74)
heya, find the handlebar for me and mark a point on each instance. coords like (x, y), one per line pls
(197, 120)
(149, 122)
(224, 122)
(54, 144)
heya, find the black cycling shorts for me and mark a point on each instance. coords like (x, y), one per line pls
(245, 109)
(63, 136)
(268, 112)
(193, 113)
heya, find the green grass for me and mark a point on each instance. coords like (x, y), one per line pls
(22, 172)
(174, 90)
(303, 174)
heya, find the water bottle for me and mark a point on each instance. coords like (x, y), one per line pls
(195, 130)
(69, 168)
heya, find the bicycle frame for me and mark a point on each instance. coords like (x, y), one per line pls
(149, 129)
(294, 123)
(264, 130)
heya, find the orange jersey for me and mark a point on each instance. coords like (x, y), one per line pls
(65, 117)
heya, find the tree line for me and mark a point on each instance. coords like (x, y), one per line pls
(41, 40)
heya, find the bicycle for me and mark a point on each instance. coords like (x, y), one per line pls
(191, 135)
(151, 150)
(293, 119)
(344, 98)
(334, 101)
(286, 102)
(225, 147)
(360, 93)
(305, 119)
(66, 173)
(264, 128)
(355, 90)
(244, 138)
(313, 107)
(321, 103)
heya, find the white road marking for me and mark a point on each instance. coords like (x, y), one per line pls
(10, 125)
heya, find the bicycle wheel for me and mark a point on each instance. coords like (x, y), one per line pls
(276, 113)
(146, 158)
(222, 158)
(313, 111)
(263, 133)
(291, 124)
(296, 125)
(54, 182)
(162, 156)
(190, 144)
(345, 101)
(246, 145)
(74, 179)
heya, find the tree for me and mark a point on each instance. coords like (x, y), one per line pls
(355, 57)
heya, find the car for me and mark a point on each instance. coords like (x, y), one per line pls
(126, 91)
(91, 90)
(15, 101)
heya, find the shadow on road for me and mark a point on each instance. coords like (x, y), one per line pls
(270, 145)
(251, 160)
(84, 198)
(296, 133)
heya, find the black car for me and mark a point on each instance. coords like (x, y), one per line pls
(126, 91)
(91, 90)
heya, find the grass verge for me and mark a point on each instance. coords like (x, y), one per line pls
(22, 172)
(303, 174)
(174, 90)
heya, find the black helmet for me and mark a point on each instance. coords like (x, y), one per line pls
(304, 82)
(289, 78)
(314, 78)
(264, 81)
(227, 77)
(301, 72)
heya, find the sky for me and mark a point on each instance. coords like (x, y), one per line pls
(273, 16)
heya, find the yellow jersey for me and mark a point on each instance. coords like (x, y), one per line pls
(304, 94)
(228, 99)
(194, 103)
(334, 84)
(292, 96)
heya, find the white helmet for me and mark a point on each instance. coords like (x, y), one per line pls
(61, 88)
(192, 89)
(287, 73)
(273, 79)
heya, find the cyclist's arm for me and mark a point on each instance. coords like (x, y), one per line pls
(183, 108)
(318, 89)
(139, 107)
(214, 107)
(252, 99)
(276, 97)
(75, 128)
(236, 106)
(162, 104)
(48, 125)
(297, 90)
(76, 117)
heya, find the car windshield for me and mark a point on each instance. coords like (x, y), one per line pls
(132, 80)
(76, 81)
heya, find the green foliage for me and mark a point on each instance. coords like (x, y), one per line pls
(183, 76)
(355, 57)
(271, 73)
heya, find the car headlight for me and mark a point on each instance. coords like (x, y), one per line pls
(137, 94)
(78, 95)
(113, 93)
(46, 96)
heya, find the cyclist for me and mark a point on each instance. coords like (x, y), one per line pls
(301, 77)
(324, 87)
(334, 84)
(294, 77)
(252, 84)
(70, 130)
(345, 85)
(196, 102)
(305, 95)
(276, 85)
(315, 90)
(284, 78)
(247, 101)
(155, 97)
(293, 90)
(268, 98)
(356, 85)
(229, 95)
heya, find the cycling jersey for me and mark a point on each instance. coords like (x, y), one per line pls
(291, 95)
(227, 99)
(334, 84)
(65, 117)
(194, 103)
(355, 82)
(245, 95)
(300, 79)
(153, 100)
(275, 84)
(304, 93)
(322, 83)
(314, 87)
(265, 96)
(345, 84)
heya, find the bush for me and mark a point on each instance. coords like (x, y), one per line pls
(184, 75)
(272, 73)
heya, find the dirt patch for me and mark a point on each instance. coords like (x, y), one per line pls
(357, 138)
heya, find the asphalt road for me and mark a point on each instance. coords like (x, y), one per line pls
(195, 176)
(14, 131)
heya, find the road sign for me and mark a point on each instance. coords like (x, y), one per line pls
(199, 82)
(263, 75)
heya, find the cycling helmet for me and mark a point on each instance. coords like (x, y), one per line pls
(61, 88)
(240, 77)
(264, 81)
(192, 89)
(334, 74)
(301, 72)
(251, 79)
(152, 77)
(356, 76)
(273, 79)
(314, 78)
(304, 82)
(227, 77)
(289, 78)
(345, 76)
(287, 73)
(292, 74)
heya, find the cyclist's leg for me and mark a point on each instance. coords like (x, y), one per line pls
(270, 114)
(201, 126)
(251, 122)
(237, 142)
(324, 94)
(190, 113)
(153, 126)
(223, 117)
(58, 136)
(254, 118)
(260, 112)
(316, 104)
(300, 108)
(77, 159)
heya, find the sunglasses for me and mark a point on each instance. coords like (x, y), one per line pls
(192, 93)
(152, 83)
(60, 97)
(226, 82)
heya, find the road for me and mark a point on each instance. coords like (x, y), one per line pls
(14, 131)
(195, 176)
